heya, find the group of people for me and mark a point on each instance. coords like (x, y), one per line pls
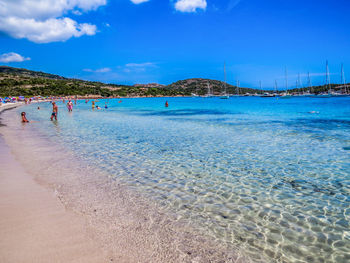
(70, 108)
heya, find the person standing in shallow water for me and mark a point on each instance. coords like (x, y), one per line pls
(54, 111)
(70, 106)
(166, 104)
(93, 104)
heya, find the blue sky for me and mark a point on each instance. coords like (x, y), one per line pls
(138, 41)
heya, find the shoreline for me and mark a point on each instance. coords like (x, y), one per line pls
(9, 106)
(126, 226)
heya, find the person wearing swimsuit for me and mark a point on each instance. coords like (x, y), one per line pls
(70, 106)
(54, 111)
(24, 118)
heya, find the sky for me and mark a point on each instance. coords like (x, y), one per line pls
(162, 41)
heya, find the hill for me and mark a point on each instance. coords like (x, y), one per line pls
(200, 86)
(16, 82)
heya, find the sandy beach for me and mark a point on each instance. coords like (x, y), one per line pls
(34, 225)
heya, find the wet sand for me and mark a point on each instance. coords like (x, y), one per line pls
(55, 208)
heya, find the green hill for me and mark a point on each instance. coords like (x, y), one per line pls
(199, 86)
(16, 82)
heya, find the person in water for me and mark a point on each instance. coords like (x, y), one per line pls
(93, 104)
(106, 107)
(97, 107)
(166, 104)
(24, 118)
(70, 106)
(38, 108)
(54, 111)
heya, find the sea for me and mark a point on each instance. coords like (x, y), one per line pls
(268, 176)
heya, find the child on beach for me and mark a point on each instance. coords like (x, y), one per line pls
(24, 118)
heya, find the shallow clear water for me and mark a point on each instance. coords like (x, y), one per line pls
(270, 176)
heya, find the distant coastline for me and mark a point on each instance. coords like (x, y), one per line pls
(23, 82)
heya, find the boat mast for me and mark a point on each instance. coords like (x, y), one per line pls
(275, 87)
(286, 75)
(343, 79)
(309, 82)
(225, 77)
(327, 77)
(208, 89)
(299, 82)
(237, 86)
(260, 85)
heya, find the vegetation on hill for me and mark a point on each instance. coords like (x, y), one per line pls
(200, 87)
(16, 82)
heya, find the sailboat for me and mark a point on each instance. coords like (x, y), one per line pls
(343, 82)
(209, 93)
(275, 93)
(266, 94)
(325, 95)
(224, 95)
(195, 94)
(237, 86)
(286, 95)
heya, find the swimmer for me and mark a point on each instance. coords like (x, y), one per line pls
(38, 108)
(106, 107)
(166, 104)
(97, 107)
(120, 101)
(24, 118)
(93, 104)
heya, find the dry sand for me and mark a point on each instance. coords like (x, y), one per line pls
(34, 225)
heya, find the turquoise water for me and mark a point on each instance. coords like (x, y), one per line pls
(269, 176)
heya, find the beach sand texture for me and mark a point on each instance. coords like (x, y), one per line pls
(34, 225)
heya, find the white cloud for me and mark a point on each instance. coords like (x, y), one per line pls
(139, 66)
(44, 21)
(101, 70)
(12, 57)
(139, 1)
(190, 5)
